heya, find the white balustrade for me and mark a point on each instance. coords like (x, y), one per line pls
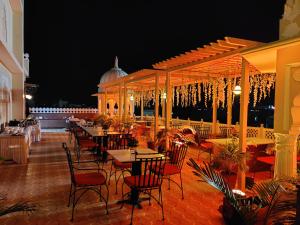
(62, 110)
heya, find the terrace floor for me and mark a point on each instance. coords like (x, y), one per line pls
(46, 182)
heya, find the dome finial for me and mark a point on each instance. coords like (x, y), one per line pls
(116, 62)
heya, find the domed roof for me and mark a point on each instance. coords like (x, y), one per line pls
(113, 74)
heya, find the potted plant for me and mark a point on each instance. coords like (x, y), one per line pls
(229, 159)
(271, 202)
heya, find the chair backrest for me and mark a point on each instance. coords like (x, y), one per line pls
(117, 141)
(70, 161)
(152, 168)
(203, 133)
(177, 154)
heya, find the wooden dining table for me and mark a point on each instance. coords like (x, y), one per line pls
(129, 156)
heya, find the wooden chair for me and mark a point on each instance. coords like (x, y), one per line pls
(92, 180)
(150, 178)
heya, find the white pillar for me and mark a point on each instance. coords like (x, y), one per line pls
(120, 103)
(229, 102)
(132, 106)
(156, 105)
(142, 106)
(18, 99)
(168, 101)
(286, 154)
(105, 102)
(125, 103)
(244, 100)
(99, 104)
(215, 108)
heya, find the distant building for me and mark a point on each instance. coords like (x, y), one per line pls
(14, 64)
(111, 105)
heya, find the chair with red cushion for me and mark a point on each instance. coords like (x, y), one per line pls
(119, 142)
(176, 155)
(83, 144)
(147, 180)
(92, 180)
(204, 133)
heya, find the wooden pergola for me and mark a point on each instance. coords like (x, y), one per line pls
(221, 59)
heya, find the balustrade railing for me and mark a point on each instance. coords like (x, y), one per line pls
(259, 132)
(62, 110)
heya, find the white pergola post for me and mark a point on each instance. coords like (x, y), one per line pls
(142, 106)
(132, 106)
(163, 107)
(168, 101)
(105, 102)
(156, 105)
(244, 99)
(229, 103)
(125, 104)
(120, 103)
(215, 107)
(99, 104)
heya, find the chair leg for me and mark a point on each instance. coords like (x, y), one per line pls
(116, 181)
(74, 203)
(132, 209)
(106, 202)
(110, 173)
(122, 196)
(161, 202)
(181, 186)
(70, 194)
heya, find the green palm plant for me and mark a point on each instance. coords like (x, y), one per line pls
(17, 207)
(244, 212)
(278, 200)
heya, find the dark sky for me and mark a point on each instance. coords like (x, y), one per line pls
(72, 43)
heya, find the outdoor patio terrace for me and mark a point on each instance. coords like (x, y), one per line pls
(45, 180)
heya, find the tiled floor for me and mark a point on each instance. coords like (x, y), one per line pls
(45, 181)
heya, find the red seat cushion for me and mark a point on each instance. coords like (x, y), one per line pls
(89, 179)
(83, 138)
(133, 181)
(87, 144)
(171, 169)
(121, 165)
(206, 145)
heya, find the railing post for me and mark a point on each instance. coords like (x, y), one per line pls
(201, 122)
(218, 127)
(237, 126)
(261, 132)
(189, 122)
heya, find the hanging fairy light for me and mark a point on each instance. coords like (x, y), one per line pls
(131, 98)
(164, 95)
(237, 90)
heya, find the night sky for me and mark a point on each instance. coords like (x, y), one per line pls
(72, 43)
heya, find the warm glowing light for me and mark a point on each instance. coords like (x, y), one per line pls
(164, 96)
(237, 90)
(28, 97)
(239, 192)
(131, 98)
